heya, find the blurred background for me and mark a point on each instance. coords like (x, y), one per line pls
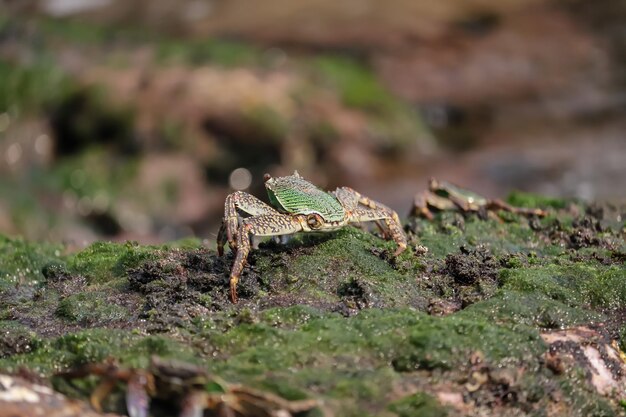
(134, 119)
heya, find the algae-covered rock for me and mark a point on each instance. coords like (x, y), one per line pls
(418, 404)
(498, 318)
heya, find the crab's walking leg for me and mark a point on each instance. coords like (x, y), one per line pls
(363, 209)
(102, 390)
(221, 239)
(263, 225)
(111, 375)
(235, 203)
(498, 204)
(391, 220)
(138, 390)
(194, 403)
(348, 198)
(420, 205)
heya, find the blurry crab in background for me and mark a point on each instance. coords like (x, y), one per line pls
(443, 196)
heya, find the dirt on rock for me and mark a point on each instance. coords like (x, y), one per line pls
(180, 287)
(472, 265)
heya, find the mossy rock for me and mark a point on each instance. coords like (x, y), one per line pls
(418, 404)
(334, 316)
(90, 308)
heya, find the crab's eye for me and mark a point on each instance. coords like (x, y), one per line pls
(314, 221)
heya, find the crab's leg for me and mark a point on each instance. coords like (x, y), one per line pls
(348, 198)
(420, 205)
(235, 203)
(103, 389)
(363, 209)
(221, 239)
(255, 402)
(264, 225)
(498, 204)
(137, 394)
(194, 404)
(389, 217)
(111, 375)
(384, 232)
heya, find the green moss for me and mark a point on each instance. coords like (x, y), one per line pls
(94, 346)
(336, 316)
(359, 359)
(573, 284)
(409, 339)
(16, 338)
(607, 288)
(534, 309)
(440, 244)
(334, 262)
(187, 243)
(104, 261)
(418, 404)
(498, 237)
(90, 308)
(530, 200)
(447, 343)
(501, 238)
(289, 317)
(22, 262)
(333, 366)
(277, 386)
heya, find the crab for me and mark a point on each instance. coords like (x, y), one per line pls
(190, 388)
(442, 196)
(299, 206)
